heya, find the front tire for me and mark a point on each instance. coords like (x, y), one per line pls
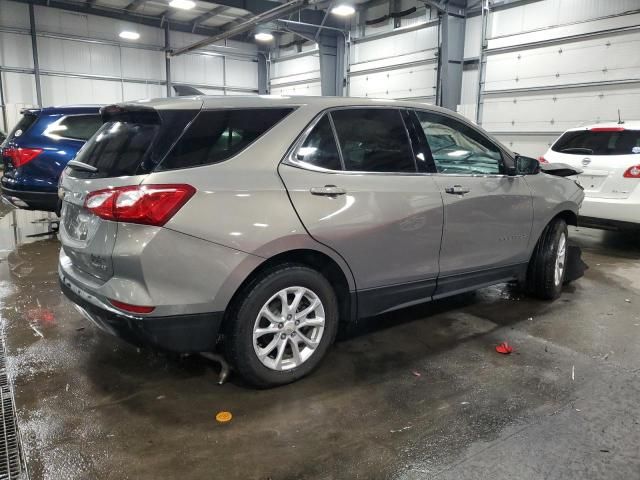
(547, 267)
(281, 326)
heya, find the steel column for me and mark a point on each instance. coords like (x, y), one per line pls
(452, 53)
(34, 47)
(3, 106)
(263, 74)
(167, 57)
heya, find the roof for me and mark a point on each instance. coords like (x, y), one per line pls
(629, 125)
(264, 101)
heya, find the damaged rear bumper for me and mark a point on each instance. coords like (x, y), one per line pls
(179, 333)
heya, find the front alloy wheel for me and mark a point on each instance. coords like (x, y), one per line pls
(561, 256)
(288, 328)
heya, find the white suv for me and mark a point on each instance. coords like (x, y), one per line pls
(609, 156)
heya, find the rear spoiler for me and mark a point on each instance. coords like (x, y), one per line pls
(186, 91)
(130, 112)
(559, 169)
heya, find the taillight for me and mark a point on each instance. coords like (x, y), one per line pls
(131, 308)
(632, 172)
(145, 204)
(607, 129)
(21, 156)
(542, 160)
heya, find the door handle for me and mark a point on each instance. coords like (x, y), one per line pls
(328, 191)
(457, 190)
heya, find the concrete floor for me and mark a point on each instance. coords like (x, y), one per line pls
(418, 394)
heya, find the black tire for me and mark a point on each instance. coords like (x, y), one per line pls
(541, 281)
(238, 342)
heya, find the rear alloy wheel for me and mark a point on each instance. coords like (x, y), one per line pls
(547, 267)
(281, 326)
(289, 328)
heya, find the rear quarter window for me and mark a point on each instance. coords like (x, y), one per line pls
(75, 127)
(587, 142)
(25, 123)
(216, 135)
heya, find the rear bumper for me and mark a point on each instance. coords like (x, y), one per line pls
(30, 200)
(179, 333)
(608, 211)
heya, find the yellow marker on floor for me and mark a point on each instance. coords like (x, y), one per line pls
(224, 417)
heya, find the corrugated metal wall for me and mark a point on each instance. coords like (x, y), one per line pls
(295, 73)
(394, 60)
(82, 60)
(552, 65)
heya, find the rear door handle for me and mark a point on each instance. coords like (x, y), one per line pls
(328, 191)
(457, 190)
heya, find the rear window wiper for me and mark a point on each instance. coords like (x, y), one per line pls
(82, 166)
(586, 151)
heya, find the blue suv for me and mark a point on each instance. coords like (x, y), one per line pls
(37, 150)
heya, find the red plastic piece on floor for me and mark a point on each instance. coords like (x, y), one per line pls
(504, 348)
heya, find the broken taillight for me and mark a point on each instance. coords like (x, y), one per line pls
(541, 159)
(144, 204)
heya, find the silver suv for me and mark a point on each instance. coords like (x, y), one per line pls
(260, 223)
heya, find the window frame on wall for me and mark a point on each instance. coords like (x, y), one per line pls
(403, 112)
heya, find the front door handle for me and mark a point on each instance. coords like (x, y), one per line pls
(457, 190)
(328, 191)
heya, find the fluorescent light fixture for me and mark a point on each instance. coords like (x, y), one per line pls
(343, 10)
(128, 35)
(263, 36)
(182, 4)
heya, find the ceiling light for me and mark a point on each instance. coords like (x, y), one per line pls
(343, 10)
(263, 36)
(128, 35)
(182, 4)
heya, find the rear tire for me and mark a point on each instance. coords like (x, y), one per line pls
(270, 344)
(547, 267)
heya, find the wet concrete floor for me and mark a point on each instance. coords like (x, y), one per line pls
(418, 394)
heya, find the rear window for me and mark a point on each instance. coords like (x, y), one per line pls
(217, 135)
(587, 142)
(23, 125)
(131, 144)
(75, 127)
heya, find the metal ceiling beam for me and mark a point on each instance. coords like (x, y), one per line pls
(210, 14)
(133, 6)
(275, 13)
(116, 14)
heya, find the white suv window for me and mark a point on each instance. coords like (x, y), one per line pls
(604, 141)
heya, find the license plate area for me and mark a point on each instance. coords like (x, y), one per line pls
(591, 182)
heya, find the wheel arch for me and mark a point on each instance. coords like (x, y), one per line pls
(315, 259)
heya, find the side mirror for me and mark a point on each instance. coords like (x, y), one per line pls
(526, 165)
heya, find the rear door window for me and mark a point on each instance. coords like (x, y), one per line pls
(373, 140)
(216, 135)
(319, 148)
(75, 127)
(615, 141)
